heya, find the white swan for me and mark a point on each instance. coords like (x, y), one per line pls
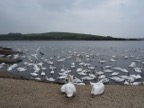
(92, 75)
(52, 71)
(114, 73)
(137, 69)
(124, 70)
(69, 88)
(79, 69)
(63, 77)
(21, 69)
(82, 73)
(34, 74)
(108, 70)
(117, 79)
(97, 88)
(136, 83)
(12, 67)
(112, 60)
(36, 68)
(50, 79)
(132, 65)
(77, 80)
(87, 78)
(42, 73)
(72, 65)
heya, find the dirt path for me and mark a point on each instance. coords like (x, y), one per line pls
(15, 93)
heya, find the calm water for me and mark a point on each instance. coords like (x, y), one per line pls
(70, 50)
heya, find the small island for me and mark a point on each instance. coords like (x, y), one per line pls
(59, 36)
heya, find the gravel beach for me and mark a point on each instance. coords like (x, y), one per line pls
(19, 93)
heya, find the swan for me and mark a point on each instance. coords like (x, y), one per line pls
(117, 68)
(100, 73)
(114, 73)
(42, 73)
(36, 68)
(125, 57)
(37, 78)
(63, 69)
(62, 74)
(69, 88)
(79, 70)
(52, 67)
(92, 75)
(21, 69)
(72, 65)
(108, 71)
(16, 56)
(132, 65)
(107, 67)
(136, 83)
(102, 61)
(67, 71)
(101, 77)
(50, 62)
(137, 69)
(40, 64)
(136, 76)
(126, 83)
(61, 60)
(50, 79)
(112, 60)
(52, 71)
(34, 74)
(12, 67)
(35, 56)
(130, 79)
(77, 80)
(97, 88)
(43, 68)
(87, 78)
(81, 64)
(63, 77)
(124, 70)
(91, 68)
(117, 79)
(113, 56)
(82, 73)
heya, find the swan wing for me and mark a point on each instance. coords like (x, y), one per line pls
(63, 88)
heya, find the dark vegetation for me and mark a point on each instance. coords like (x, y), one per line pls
(56, 36)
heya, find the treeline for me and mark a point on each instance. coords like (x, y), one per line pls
(56, 36)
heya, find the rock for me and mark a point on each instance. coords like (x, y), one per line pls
(9, 60)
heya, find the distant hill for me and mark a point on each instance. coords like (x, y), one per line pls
(56, 36)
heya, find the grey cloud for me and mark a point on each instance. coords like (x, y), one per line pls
(119, 18)
(56, 5)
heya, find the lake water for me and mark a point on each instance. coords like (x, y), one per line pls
(88, 52)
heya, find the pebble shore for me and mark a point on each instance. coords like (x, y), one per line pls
(19, 93)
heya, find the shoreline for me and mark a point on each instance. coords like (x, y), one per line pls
(31, 94)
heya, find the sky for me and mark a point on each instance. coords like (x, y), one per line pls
(117, 18)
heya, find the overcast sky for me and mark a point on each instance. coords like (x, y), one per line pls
(117, 18)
